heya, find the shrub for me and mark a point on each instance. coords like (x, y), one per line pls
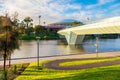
(45, 37)
(15, 69)
(5, 72)
(28, 37)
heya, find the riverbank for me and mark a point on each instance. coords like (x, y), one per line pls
(76, 56)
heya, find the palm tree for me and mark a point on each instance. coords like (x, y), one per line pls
(28, 20)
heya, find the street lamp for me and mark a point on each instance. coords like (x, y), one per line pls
(39, 19)
(38, 38)
(97, 44)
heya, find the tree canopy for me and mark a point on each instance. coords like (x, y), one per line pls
(38, 29)
(28, 20)
(8, 38)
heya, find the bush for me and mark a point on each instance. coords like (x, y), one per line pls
(28, 37)
(45, 37)
(5, 75)
(15, 69)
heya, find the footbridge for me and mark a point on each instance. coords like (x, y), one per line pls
(76, 35)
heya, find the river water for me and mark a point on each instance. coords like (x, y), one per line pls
(56, 47)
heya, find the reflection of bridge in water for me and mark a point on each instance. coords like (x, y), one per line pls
(76, 35)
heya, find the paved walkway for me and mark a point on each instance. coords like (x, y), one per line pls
(56, 64)
(79, 56)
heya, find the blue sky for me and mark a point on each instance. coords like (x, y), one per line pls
(57, 10)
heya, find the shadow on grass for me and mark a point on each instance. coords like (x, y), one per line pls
(33, 71)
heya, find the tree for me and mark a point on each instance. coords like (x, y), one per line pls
(8, 36)
(15, 44)
(38, 29)
(28, 20)
(15, 20)
(21, 28)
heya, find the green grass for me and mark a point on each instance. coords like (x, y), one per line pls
(101, 73)
(0, 74)
(81, 62)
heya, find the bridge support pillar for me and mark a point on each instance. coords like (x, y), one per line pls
(73, 38)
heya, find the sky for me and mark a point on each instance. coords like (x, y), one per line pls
(52, 11)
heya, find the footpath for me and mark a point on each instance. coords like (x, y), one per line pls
(77, 56)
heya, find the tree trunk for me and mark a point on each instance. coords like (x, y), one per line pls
(4, 61)
(27, 29)
(27, 25)
(9, 60)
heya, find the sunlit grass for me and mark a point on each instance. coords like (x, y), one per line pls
(101, 73)
(0, 74)
(81, 62)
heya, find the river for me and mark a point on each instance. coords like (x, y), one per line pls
(56, 47)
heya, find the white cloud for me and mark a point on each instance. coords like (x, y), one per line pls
(50, 10)
(100, 2)
(53, 10)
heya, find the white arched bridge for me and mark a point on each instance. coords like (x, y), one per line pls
(76, 35)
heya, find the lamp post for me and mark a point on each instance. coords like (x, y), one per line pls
(39, 19)
(97, 44)
(38, 38)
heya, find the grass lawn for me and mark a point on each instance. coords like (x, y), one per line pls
(101, 73)
(0, 74)
(81, 62)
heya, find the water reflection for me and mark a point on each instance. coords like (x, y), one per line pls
(104, 45)
(72, 49)
(47, 48)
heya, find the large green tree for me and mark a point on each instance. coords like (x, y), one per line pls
(8, 38)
